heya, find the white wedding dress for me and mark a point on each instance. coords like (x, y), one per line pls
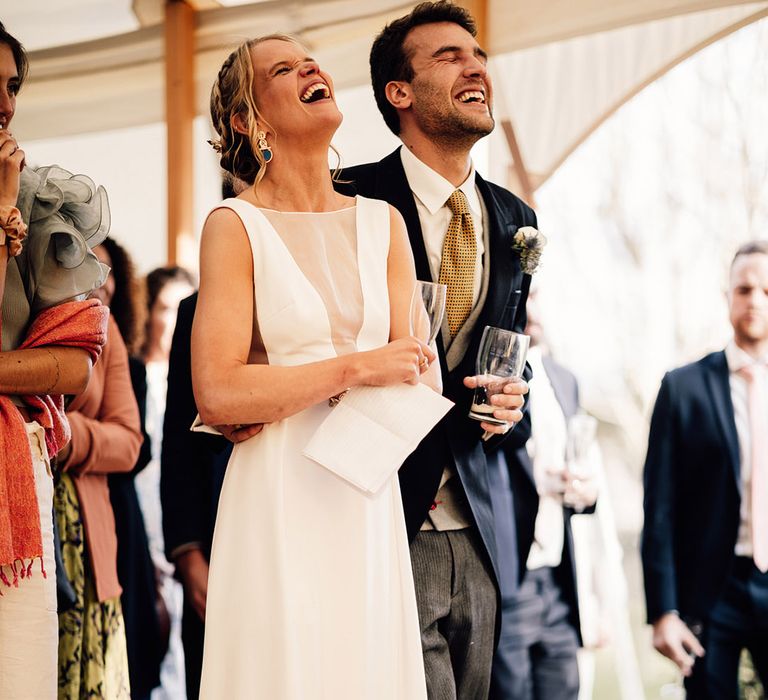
(310, 594)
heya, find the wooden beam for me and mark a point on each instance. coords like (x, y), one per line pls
(179, 116)
(149, 12)
(479, 10)
(517, 162)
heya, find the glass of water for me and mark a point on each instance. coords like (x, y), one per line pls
(500, 360)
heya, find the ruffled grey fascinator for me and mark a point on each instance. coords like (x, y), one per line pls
(67, 215)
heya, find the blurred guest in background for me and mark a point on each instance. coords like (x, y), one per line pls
(106, 436)
(50, 338)
(540, 626)
(601, 584)
(124, 295)
(705, 540)
(166, 287)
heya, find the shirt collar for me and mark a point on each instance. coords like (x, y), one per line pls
(737, 358)
(432, 189)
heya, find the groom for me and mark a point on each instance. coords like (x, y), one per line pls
(433, 90)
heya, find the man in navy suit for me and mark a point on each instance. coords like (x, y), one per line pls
(705, 541)
(432, 87)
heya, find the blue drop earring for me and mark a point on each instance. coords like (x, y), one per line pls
(266, 151)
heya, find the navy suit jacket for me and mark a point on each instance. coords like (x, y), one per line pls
(457, 439)
(526, 499)
(192, 465)
(692, 485)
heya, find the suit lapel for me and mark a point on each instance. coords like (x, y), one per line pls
(504, 264)
(720, 388)
(392, 186)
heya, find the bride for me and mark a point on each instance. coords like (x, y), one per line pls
(303, 294)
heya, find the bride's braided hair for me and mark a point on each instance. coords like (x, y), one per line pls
(232, 94)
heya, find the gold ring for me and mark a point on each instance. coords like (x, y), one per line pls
(424, 362)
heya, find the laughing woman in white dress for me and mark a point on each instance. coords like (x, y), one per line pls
(303, 293)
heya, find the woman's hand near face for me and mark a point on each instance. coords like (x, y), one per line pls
(11, 165)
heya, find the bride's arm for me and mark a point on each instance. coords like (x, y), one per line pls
(401, 281)
(230, 391)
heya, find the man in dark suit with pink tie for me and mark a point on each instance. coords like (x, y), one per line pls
(705, 541)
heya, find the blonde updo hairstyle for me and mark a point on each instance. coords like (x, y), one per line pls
(232, 94)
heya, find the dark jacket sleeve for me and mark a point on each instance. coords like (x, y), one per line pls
(657, 544)
(139, 383)
(187, 458)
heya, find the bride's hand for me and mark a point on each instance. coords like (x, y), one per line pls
(402, 360)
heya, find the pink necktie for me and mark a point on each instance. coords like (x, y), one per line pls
(756, 376)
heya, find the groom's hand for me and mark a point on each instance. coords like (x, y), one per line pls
(507, 405)
(193, 572)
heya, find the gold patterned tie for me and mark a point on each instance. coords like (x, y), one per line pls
(457, 266)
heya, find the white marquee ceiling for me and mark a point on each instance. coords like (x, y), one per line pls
(560, 66)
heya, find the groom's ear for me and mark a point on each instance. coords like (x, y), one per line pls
(399, 94)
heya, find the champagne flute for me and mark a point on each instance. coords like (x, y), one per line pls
(427, 309)
(581, 431)
(500, 359)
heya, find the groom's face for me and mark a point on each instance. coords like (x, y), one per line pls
(451, 90)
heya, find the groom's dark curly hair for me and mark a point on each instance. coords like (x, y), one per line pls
(389, 60)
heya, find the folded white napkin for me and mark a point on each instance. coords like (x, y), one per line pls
(199, 427)
(372, 430)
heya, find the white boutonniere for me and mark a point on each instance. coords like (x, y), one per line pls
(529, 242)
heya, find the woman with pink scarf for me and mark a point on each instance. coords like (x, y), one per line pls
(49, 219)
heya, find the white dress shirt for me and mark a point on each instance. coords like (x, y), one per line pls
(548, 455)
(737, 359)
(431, 192)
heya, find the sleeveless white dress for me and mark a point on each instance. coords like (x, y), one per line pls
(310, 593)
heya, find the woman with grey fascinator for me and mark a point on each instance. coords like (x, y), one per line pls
(51, 336)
